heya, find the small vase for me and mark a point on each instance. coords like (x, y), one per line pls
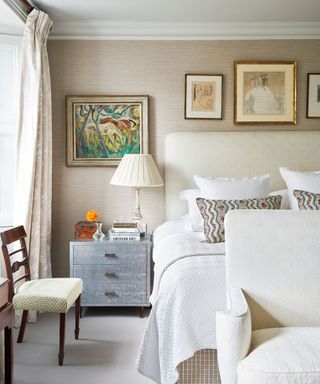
(98, 235)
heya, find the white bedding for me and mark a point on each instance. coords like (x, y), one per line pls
(189, 287)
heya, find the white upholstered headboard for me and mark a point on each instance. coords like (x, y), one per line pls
(233, 154)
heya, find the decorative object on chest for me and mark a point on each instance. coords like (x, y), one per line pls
(93, 216)
(114, 273)
(90, 229)
(99, 235)
(127, 231)
(84, 230)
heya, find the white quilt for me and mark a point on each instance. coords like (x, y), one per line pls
(189, 287)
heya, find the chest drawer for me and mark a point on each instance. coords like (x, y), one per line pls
(132, 273)
(114, 294)
(109, 254)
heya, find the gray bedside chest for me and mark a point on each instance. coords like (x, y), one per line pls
(114, 273)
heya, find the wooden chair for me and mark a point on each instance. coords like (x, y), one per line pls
(45, 295)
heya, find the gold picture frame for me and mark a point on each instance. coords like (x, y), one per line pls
(102, 129)
(265, 92)
(203, 96)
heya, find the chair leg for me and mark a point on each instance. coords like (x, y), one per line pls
(8, 370)
(22, 326)
(62, 337)
(77, 317)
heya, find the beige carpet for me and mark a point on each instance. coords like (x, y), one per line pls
(105, 354)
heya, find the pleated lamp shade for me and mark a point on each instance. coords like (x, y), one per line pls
(137, 171)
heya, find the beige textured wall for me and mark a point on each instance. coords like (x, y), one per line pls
(157, 69)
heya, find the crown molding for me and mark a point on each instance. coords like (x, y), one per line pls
(20, 7)
(114, 30)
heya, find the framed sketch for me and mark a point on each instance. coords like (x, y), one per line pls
(313, 95)
(265, 92)
(203, 97)
(102, 129)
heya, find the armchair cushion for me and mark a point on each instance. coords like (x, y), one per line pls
(282, 356)
(48, 295)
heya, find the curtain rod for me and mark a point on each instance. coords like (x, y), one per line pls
(21, 8)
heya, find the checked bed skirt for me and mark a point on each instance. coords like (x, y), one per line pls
(202, 368)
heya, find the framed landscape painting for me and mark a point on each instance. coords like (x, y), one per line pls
(102, 129)
(203, 96)
(265, 92)
(313, 95)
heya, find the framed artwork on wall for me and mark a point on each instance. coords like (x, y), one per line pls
(313, 95)
(265, 92)
(203, 96)
(102, 129)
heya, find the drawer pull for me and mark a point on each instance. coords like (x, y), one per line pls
(110, 255)
(110, 294)
(111, 275)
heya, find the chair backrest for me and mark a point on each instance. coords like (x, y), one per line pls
(274, 256)
(11, 236)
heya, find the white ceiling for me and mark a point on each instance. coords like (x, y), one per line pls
(9, 23)
(177, 19)
(202, 11)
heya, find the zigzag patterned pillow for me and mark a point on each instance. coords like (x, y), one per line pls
(214, 212)
(307, 200)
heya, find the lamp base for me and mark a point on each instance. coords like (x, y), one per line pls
(137, 217)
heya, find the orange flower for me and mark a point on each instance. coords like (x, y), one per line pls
(92, 215)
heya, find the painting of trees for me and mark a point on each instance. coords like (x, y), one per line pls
(102, 130)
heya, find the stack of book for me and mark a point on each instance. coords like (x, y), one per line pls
(125, 231)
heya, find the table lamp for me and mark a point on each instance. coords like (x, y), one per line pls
(137, 171)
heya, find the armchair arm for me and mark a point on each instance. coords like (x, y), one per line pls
(233, 335)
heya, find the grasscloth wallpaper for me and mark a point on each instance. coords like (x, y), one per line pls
(157, 69)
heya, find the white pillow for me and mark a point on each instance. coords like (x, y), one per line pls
(194, 221)
(228, 189)
(285, 202)
(303, 181)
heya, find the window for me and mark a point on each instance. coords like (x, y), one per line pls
(10, 47)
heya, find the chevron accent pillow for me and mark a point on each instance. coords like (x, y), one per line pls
(214, 212)
(307, 200)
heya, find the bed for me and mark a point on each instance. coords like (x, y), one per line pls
(189, 281)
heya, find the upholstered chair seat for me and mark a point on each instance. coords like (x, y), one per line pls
(48, 295)
(283, 356)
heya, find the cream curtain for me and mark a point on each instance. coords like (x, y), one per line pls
(34, 154)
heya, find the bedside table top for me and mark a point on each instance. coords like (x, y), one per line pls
(145, 240)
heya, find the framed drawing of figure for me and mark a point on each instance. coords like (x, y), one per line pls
(203, 96)
(264, 92)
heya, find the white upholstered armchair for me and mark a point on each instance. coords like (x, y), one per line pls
(270, 333)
